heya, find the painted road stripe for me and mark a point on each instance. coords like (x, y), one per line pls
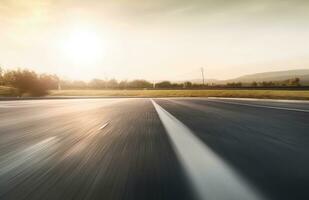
(211, 177)
(103, 126)
(259, 106)
(262, 100)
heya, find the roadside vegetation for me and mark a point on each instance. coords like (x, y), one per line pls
(143, 84)
(265, 94)
(26, 83)
(23, 83)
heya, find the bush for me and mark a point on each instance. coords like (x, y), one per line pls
(26, 82)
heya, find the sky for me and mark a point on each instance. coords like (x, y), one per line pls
(154, 40)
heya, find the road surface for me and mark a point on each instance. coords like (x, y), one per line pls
(169, 148)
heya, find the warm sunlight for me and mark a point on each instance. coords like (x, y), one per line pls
(154, 99)
(83, 46)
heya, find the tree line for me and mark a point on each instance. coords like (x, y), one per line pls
(144, 84)
(293, 82)
(27, 82)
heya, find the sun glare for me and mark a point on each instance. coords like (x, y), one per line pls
(83, 47)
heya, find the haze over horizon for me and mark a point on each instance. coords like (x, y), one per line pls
(154, 40)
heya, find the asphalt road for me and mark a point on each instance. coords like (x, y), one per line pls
(178, 148)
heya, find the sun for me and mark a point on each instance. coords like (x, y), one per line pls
(83, 46)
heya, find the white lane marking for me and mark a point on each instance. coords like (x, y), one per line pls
(211, 177)
(261, 100)
(103, 126)
(260, 106)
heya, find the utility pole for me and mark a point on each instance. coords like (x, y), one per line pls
(202, 70)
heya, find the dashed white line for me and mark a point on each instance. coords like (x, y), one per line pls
(211, 177)
(103, 126)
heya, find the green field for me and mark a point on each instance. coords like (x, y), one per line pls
(265, 94)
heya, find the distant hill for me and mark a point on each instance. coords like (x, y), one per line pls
(303, 74)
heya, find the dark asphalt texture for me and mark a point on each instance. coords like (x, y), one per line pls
(119, 149)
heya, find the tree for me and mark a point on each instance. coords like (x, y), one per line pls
(164, 84)
(123, 84)
(178, 85)
(26, 82)
(254, 84)
(234, 84)
(294, 82)
(79, 85)
(187, 84)
(97, 84)
(112, 84)
(50, 81)
(267, 84)
(139, 84)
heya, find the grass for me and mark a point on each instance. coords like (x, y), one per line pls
(265, 94)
